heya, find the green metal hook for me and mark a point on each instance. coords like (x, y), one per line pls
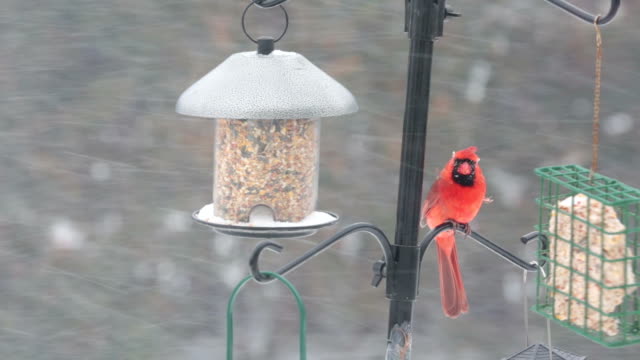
(301, 309)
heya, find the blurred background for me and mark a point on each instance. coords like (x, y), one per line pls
(99, 257)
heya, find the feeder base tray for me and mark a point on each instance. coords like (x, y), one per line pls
(265, 229)
(541, 352)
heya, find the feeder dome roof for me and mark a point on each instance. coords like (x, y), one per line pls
(281, 85)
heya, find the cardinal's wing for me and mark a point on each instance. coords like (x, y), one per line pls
(433, 198)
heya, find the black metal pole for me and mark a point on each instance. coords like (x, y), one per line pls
(403, 286)
(424, 24)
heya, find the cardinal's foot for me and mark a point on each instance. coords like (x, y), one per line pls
(461, 226)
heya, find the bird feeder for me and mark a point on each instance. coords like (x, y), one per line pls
(593, 227)
(267, 105)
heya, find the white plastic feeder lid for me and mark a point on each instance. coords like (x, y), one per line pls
(281, 85)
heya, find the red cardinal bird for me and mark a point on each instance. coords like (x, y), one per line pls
(456, 195)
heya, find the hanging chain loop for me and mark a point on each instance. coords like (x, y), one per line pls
(596, 101)
(255, 2)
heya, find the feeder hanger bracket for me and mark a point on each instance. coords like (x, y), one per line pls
(586, 16)
(391, 252)
(439, 12)
(373, 230)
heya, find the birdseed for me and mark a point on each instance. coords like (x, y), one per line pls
(582, 274)
(266, 162)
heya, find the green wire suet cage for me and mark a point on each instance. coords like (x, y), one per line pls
(592, 266)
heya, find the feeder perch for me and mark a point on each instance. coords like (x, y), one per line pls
(267, 104)
(541, 352)
(301, 309)
(593, 229)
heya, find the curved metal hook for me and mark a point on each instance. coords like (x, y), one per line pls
(428, 239)
(590, 18)
(255, 256)
(268, 3)
(378, 234)
(542, 238)
(463, 228)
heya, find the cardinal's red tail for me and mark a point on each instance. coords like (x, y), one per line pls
(452, 293)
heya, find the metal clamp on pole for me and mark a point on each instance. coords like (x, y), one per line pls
(428, 27)
(405, 273)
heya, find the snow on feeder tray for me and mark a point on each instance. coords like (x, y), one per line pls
(267, 104)
(593, 267)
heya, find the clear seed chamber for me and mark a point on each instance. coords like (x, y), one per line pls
(265, 164)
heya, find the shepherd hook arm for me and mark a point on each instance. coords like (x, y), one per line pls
(358, 227)
(590, 18)
(462, 228)
(563, 4)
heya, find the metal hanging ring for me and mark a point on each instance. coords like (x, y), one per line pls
(263, 5)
